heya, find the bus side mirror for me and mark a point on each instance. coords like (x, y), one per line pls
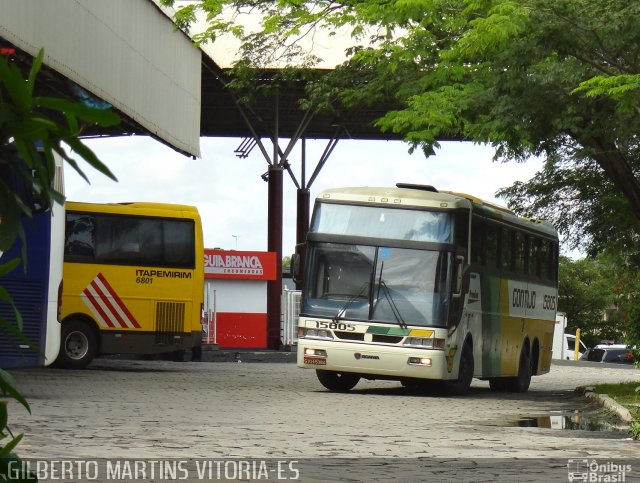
(297, 263)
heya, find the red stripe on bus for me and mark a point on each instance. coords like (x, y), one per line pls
(120, 303)
(96, 306)
(106, 298)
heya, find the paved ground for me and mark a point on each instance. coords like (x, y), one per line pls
(239, 410)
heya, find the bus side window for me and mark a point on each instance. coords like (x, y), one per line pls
(151, 241)
(543, 260)
(519, 252)
(505, 249)
(118, 239)
(80, 238)
(534, 256)
(179, 242)
(461, 232)
(491, 246)
(477, 241)
(555, 254)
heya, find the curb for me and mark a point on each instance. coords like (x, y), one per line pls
(607, 402)
(217, 355)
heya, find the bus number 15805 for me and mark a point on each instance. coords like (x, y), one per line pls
(333, 325)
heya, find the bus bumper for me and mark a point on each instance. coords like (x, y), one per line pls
(384, 361)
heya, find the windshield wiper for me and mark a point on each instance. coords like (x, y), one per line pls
(392, 303)
(341, 313)
(387, 295)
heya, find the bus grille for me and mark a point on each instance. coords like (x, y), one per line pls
(348, 335)
(387, 339)
(169, 322)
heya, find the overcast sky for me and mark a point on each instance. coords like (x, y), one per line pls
(232, 198)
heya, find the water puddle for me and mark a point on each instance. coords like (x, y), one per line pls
(576, 420)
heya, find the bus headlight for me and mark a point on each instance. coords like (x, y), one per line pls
(314, 333)
(315, 352)
(424, 343)
(419, 361)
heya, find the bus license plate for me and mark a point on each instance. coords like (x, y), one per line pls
(315, 360)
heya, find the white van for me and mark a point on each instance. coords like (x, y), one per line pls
(570, 347)
(564, 344)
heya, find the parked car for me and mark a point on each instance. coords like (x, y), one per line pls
(614, 353)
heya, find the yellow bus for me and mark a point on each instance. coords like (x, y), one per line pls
(417, 285)
(133, 280)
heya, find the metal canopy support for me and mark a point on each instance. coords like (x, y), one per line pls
(274, 176)
(274, 237)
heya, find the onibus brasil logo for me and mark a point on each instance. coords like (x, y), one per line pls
(595, 471)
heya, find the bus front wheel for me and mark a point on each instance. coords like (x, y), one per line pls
(78, 345)
(465, 373)
(337, 381)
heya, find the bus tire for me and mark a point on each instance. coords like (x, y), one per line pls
(337, 381)
(78, 345)
(521, 382)
(465, 373)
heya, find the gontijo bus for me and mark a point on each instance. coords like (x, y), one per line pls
(417, 285)
(133, 280)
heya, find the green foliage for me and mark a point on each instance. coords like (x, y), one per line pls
(586, 291)
(32, 129)
(5, 326)
(286, 263)
(552, 78)
(634, 429)
(7, 389)
(623, 88)
(574, 194)
(32, 125)
(601, 297)
(531, 77)
(627, 289)
(625, 394)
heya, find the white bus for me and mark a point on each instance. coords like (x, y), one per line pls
(416, 285)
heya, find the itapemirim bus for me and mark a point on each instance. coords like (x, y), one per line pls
(133, 280)
(417, 285)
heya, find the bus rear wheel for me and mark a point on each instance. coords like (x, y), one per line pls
(521, 382)
(337, 381)
(78, 345)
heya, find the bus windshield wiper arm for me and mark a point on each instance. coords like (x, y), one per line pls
(387, 295)
(340, 314)
(392, 303)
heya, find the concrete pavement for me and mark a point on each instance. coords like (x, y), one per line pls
(273, 412)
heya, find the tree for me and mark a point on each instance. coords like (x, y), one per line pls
(531, 77)
(31, 129)
(286, 264)
(582, 203)
(586, 292)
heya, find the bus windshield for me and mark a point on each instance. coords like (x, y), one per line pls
(376, 283)
(383, 222)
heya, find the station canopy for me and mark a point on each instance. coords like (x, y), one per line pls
(128, 55)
